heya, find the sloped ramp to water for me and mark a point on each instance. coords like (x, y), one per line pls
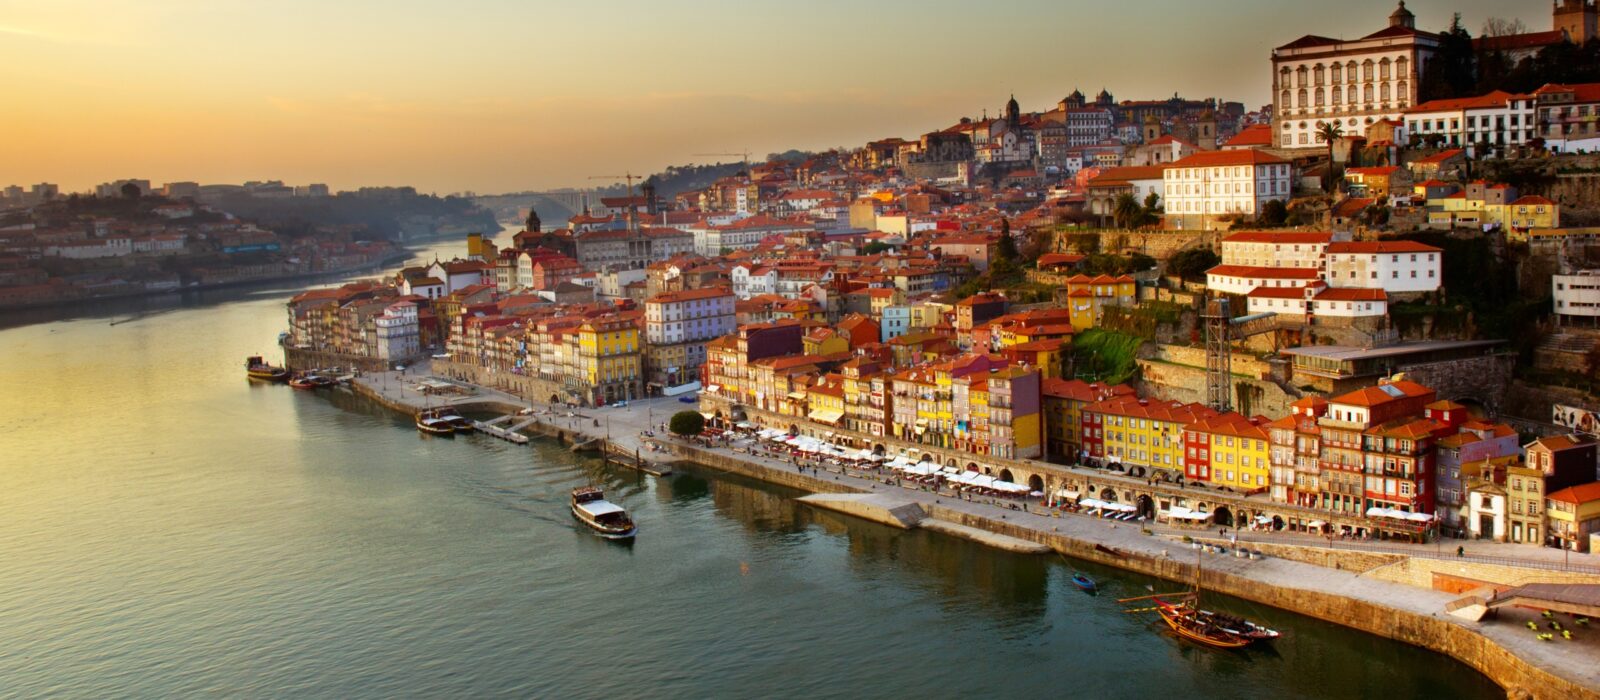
(881, 508)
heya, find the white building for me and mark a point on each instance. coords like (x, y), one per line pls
(1396, 267)
(1498, 118)
(1577, 297)
(1318, 299)
(1275, 249)
(398, 336)
(1244, 279)
(1317, 79)
(1204, 188)
(1570, 116)
(753, 280)
(692, 315)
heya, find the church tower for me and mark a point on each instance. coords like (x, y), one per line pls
(1578, 19)
(1013, 112)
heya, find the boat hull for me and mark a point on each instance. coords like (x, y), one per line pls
(1184, 622)
(603, 531)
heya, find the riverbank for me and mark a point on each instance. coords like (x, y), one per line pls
(231, 284)
(1505, 653)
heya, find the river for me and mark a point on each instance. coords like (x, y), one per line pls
(169, 529)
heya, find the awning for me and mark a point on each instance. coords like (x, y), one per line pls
(708, 416)
(797, 395)
(1315, 523)
(827, 416)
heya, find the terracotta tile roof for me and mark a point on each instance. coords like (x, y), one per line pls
(1254, 272)
(1380, 247)
(1582, 493)
(1208, 159)
(1498, 98)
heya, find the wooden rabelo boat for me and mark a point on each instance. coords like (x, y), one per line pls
(1194, 623)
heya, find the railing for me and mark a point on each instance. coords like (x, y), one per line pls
(1442, 552)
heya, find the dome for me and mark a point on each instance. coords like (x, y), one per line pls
(1401, 17)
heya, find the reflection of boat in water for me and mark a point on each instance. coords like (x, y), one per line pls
(257, 368)
(609, 520)
(430, 422)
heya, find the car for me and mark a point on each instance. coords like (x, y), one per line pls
(686, 399)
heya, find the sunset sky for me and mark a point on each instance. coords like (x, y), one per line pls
(505, 95)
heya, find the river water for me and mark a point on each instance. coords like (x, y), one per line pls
(168, 529)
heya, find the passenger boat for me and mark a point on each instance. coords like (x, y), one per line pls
(609, 520)
(430, 422)
(257, 368)
(1084, 582)
(456, 420)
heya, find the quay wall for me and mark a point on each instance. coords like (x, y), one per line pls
(1518, 676)
(296, 359)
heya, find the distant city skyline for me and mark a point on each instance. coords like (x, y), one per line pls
(493, 96)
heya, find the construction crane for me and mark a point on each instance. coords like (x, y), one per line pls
(1222, 329)
(633, 219)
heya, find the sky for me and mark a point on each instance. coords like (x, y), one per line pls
(511, 95)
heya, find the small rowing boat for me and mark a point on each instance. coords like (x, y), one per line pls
(1084, 583)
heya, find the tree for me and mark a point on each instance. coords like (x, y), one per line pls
(1191, 264)
(129, 191)
(875, 247)
(1329, 132)
(1125, 212)
(1452, 70)
(1274, 213)
(1006, 249)
(686, 423)
(1150, 215)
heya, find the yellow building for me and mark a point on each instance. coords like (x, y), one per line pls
(1141, 432)
(1525, 213)
(825, 341)
(1088, 297)
(1574, 515)
(825, 401)
(1228, 449)
(609, 359)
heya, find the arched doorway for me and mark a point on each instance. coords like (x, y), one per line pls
(1222, 516)
(794, 429)
(972, 466)
(1107, 494)
(1136, 471)
(1277, 523)
(951, 463)
(1147, 507)
(554, 399)
(879, 450)
(1035, 484)
(927, 458)
(1005, 475)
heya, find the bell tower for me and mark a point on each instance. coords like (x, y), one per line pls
(1578, 19)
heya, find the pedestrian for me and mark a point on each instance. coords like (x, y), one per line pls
(1460, 551)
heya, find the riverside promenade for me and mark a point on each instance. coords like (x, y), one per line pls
(1503, 649)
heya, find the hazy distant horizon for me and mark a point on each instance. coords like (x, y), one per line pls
(492, 96)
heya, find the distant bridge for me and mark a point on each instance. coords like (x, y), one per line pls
(554, 207)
